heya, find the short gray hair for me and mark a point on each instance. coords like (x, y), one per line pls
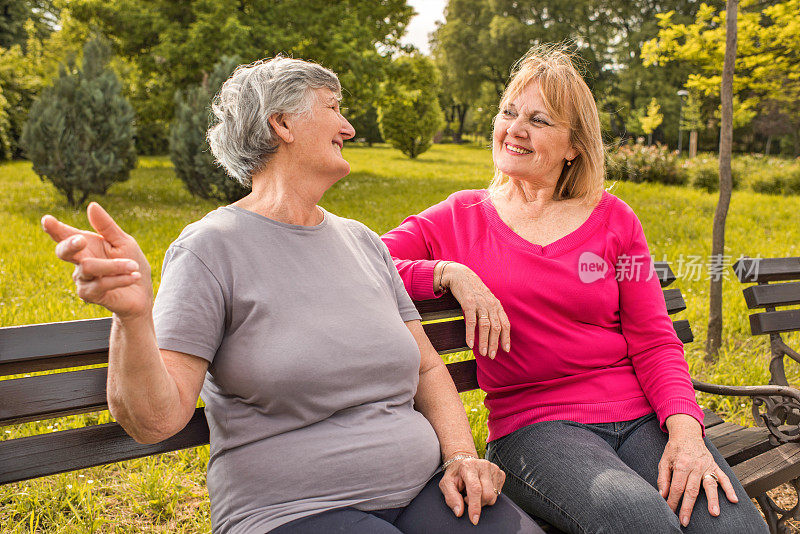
(241, 137)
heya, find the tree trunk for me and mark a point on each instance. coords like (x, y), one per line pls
(461, 115)
(717, 264)
(693, 143)
(768, 145)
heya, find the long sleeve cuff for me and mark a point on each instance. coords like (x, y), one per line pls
(422, 280)
(685, 406)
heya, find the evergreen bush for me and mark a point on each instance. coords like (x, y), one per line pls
(188, 148)
(80, 133)
(409, 111)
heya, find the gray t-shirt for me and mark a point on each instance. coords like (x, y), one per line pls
(309, 391)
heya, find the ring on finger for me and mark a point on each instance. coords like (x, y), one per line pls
(712, 475)
(496, 491)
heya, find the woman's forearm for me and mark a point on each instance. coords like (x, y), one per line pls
(438, 400)
(142, 395)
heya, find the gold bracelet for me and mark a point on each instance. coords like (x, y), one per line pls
(439, 287)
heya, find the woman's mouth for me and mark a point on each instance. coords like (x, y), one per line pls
(515, 149)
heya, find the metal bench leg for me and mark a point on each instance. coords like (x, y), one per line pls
(777, 516)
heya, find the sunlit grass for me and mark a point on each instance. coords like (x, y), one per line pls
(167, 493)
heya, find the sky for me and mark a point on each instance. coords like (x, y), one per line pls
(428, 12)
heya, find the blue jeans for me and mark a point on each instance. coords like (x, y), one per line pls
(426, 514)
(601, 478)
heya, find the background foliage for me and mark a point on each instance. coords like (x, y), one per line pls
(79, 133)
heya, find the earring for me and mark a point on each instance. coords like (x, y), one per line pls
(569, 163)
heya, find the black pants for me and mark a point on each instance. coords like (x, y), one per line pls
(426, 514)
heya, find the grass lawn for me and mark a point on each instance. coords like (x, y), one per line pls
(168, 494)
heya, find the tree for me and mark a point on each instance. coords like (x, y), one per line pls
(692, 121)
(366, 125)
(188, 147)
(714, 337)
(14, 14)
(27, 68)
(768, 48)
(650, 119)
(79, 133)
(606, 34)
(169, 45)
(409, 110)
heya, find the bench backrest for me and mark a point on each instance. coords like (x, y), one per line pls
(777, 285)
(61, 347)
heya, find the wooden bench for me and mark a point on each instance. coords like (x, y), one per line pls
(777, 285)
(760, 459)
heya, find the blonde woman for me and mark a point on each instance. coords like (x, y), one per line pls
(592, 414)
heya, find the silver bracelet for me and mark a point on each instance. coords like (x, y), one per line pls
(456, 458)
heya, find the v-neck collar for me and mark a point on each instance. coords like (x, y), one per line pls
(557, 247)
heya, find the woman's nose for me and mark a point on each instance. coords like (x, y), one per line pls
(516, 129)
(348, 132)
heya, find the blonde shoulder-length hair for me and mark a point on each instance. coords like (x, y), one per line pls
(568, 100)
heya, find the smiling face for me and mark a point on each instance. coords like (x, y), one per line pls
(319, 136)
(528, 144)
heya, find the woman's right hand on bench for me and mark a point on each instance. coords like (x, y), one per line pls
(111, 270)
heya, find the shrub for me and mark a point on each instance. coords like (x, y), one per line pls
(703, 173)
(639, 163)
(80, 134)
(188, 147)
(777, 181)
(409, 110)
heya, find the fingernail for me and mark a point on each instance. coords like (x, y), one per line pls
(483, 351)
(475, 519)
(715, 510)
(136, 275)
(492, 355)
(457, 510)
(507, 347)
(75, 240)
(41, 221)
(131, 265)
(684, 521)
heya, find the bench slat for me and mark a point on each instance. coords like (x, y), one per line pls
(769, 269)
(684, 330)
(46, 396)
(743, 444)
(41, 347)
(711, 418)
(772, 295)
(464, 374)
(770, 469)
(57, 452)
(664, 272)
(674, 300)
(447, 337)
(721, 430)
(775, 322)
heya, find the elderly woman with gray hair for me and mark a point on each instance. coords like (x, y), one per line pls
(328, 409)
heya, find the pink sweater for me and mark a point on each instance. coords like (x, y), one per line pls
(590, 337)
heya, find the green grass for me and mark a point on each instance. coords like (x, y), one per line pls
(167, 493)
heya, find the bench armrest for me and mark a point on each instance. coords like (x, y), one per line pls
(780, 403)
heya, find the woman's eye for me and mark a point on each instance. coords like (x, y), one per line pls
(508, 113)
(539, 120)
